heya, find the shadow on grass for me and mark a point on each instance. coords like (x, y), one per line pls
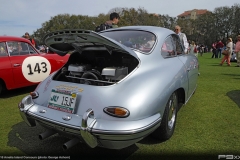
(218, 64)
(232, 75)
(235, 96)
(26, 139)
(236, 76)
(150, 140)
(16, 92)
(214, 64)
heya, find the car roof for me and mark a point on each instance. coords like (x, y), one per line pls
(13, 38)
(160, 31)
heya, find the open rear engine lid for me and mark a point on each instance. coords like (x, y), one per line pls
(65, 41)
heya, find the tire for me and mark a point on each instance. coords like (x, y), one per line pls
(167, 126)
(1, 87)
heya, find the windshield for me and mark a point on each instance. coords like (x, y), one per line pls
(139, 40)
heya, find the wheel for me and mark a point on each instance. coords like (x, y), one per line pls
(167, 126)
(1, 87)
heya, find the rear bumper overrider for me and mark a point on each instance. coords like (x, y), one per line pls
(90, 128)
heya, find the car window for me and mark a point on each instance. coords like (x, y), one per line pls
(14, 48)
(167, 49)
(3, 49)
(20, 48)
(31, 50)
(138, 40)
(177, 45)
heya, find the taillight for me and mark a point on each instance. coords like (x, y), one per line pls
(117, 111)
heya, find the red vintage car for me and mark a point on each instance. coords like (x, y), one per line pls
(23, 65)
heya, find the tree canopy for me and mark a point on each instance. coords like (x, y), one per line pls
(220, 24)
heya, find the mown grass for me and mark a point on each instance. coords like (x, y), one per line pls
(208, 125)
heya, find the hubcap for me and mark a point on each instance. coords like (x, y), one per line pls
(172, 111)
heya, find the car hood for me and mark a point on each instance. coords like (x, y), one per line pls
(66, 41)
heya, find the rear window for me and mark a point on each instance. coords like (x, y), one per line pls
(139, 40)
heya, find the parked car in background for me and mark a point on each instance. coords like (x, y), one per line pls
(22, 65)
(118, 86)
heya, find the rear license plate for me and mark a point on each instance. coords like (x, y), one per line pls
(62, 100)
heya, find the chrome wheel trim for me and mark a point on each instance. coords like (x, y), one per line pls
(172, 111)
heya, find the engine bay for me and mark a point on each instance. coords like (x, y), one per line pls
(99, 68)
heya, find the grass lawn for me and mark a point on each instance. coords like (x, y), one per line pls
(207, 125)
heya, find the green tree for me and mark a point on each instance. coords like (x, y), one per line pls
(236, 23)
(224, 21)
(221, 23)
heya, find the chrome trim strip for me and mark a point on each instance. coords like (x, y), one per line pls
(30, 122)
(103, 132)
(190, 95)
(127, 132)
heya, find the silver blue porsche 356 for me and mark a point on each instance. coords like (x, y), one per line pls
(118, 86)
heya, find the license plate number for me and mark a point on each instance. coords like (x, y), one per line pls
(62, 100)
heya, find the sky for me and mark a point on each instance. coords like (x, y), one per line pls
(20, 16)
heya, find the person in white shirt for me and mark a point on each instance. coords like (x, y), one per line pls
(151, 42)
(183, 38)
(193, 49)
(228, 52)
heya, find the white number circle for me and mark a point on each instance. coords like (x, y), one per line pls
(36, 68)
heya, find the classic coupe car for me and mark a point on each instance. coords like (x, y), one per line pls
(118, 86)
(22, 65)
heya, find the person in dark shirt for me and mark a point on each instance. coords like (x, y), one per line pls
(214, 50)
(114, 19)
(219, 47)
(27, 36)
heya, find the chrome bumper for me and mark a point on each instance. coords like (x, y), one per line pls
(90, 130)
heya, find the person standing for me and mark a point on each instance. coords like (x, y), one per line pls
(27, 36)
(214, 50)
(151, 42)
(183, 38)
(201, 49)
(114, 19)
(237, 51)
(219, 47)
(112, 23)
(228, 52)
(193, 49)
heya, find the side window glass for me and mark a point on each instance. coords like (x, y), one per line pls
(177, 45)
(20, 48)
(168, 48)
(31, 50)
(3, 50)
(25, 49)
(14, 48)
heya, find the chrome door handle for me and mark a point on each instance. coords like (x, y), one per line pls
(16, 65)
